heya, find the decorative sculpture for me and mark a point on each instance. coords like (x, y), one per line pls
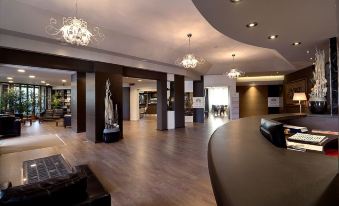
(317, 99)
(111, 131)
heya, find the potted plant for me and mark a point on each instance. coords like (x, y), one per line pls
(317, 101)
(56, 102)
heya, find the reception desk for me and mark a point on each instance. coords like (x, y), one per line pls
(246, 169)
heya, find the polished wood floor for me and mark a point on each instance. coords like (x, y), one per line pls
(147, 167)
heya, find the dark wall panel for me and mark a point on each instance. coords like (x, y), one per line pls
(78, 102)
(179, 100)
(306, 74)
(334, 75)
(126, 103)
(198, 91)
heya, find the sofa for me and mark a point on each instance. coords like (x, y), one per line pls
(79, 188)
(9, 126)
(51, 115)
(273, 131)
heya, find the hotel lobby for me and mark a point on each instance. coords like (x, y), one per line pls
(182, 102)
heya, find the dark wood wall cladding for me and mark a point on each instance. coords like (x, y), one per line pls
(307, 75)
(179, 101)
(252, 100)
(198, 91)
(36, 59)
(126, 113)
(78, 102)
(334, 75)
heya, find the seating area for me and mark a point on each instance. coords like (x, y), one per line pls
(220, 110)
(51, 115)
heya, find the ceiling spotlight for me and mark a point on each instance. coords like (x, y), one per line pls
(43, 82)
(21, 70)
(64, 80)
(272, 36)
(31, 76)
(139, 80)
(47, 84)
(296, 43)
(252, 24)
(235, 1)
(9, 78)
(10, 81)
(311, 58)
(307, 51)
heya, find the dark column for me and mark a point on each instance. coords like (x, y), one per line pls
(274, 91)
(126, 103)
(198, 91)
(78, 102)
(162, 104)
(179, 101)
(95, 98)
(334, 75)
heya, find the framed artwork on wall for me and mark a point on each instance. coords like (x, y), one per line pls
(292, 87)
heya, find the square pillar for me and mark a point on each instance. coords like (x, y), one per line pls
(179, 101)
(78, 102)
(95, 102)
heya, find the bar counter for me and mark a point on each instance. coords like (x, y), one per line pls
(246, 169)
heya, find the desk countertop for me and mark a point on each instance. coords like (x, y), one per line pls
(246, 169)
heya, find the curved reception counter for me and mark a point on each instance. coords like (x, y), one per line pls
(246, 169)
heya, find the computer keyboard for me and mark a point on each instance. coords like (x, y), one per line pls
(307, 138)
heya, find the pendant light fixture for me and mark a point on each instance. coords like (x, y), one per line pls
(189, 61)
(74, 30)
(234, 73)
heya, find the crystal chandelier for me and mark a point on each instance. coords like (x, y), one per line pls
(189, 60)
(74, 30)
(234, 73)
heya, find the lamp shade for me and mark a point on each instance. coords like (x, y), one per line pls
(299, 96)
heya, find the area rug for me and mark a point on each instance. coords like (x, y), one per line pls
(19, 144)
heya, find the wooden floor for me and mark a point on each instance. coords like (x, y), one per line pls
(147, 167)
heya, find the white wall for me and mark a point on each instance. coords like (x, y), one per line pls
(223, 81)
(188, 86)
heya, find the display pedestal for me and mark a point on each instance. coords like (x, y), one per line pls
(111, 135)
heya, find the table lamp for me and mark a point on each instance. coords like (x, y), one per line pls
(299, 96)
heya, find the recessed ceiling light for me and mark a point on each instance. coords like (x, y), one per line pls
(139, 80)
(252, 24)
(47, 84)
(10, 81)
(235, 1)
(9, 78)
(31, 76)
(43, 82)
(307, 51)
(311, 58)
(64, 80)
(272, 36)
(21, 70)
(296, 43)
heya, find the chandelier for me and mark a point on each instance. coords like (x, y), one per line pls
(234, 73)
(74, 30)
(189, 60)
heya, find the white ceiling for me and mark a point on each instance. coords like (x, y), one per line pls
(50, 76)
(311, 22)
(148, 29)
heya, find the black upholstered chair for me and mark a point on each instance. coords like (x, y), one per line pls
(9, 126)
